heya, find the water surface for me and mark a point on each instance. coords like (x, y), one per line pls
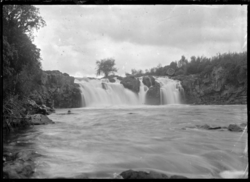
(101, 142)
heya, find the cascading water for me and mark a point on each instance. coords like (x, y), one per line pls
(171, 91)
(102, 92)
(96, 92)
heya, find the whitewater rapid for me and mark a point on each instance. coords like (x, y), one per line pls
(101, 92)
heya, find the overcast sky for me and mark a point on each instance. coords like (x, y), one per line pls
(137, 36)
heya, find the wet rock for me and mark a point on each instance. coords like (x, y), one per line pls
(130, 174)
(235, 128)
(148, 81)
(131, 83)
(27, 155)
(8, 156)
(153, 96)
(21, 166)
(243, 124)
(178, 177)
(39, 119)
(207, 127)
(18, 169)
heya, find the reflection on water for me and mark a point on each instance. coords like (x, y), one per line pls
(99, 142)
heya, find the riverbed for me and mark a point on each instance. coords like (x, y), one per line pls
(101, 142)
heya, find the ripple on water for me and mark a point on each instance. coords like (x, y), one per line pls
(95, 143)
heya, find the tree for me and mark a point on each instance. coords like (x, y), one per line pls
(182, 62)
(106, 66)
(21, 58)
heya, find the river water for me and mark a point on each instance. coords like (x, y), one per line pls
(102, 142)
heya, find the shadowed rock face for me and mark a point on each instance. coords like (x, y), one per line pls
(213, 88)
(153, 96)
(148, 81)
(231, 127)
(39, 119)
(58, 90)
(131, 83)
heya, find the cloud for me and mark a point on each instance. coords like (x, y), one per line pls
(139, 37)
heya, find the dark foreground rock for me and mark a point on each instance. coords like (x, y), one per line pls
(130, 174)
(235, 128)
(20, 166)
(207, 127)
(231, 127)
(39, 119)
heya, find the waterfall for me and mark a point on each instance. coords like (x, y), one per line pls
(97, 92)
(143, 91)
(101, 92)
(171, 91)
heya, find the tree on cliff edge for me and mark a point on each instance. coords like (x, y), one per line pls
(106, 66)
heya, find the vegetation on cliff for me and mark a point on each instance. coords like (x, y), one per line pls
(221, 79)
(21, 58)
(234, 63)
(27, 89)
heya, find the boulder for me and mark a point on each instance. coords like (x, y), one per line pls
(39, 119)
(131, 83)
(22, 166)
(148, 81)
(207, 127)
(178, 177)
(235, 128)
(153, 96)
(130, 174)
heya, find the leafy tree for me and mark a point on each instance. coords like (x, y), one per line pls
(183, 61)
(173, 65)
(106, 66)
(21, 58)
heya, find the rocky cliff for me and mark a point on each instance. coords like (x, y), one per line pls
(132, 83)
(58, 90)
(213, 88)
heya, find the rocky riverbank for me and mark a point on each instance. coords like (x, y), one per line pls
(213, 88)
(58, 90)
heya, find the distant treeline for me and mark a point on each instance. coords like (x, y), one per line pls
(234, 63)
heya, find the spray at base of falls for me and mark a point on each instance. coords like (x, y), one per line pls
(100, 92)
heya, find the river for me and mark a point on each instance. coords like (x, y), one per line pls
(101, 142)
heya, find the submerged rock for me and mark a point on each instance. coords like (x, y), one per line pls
(207, 127)
(39, 119)
(235, 128)
(130, 174)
